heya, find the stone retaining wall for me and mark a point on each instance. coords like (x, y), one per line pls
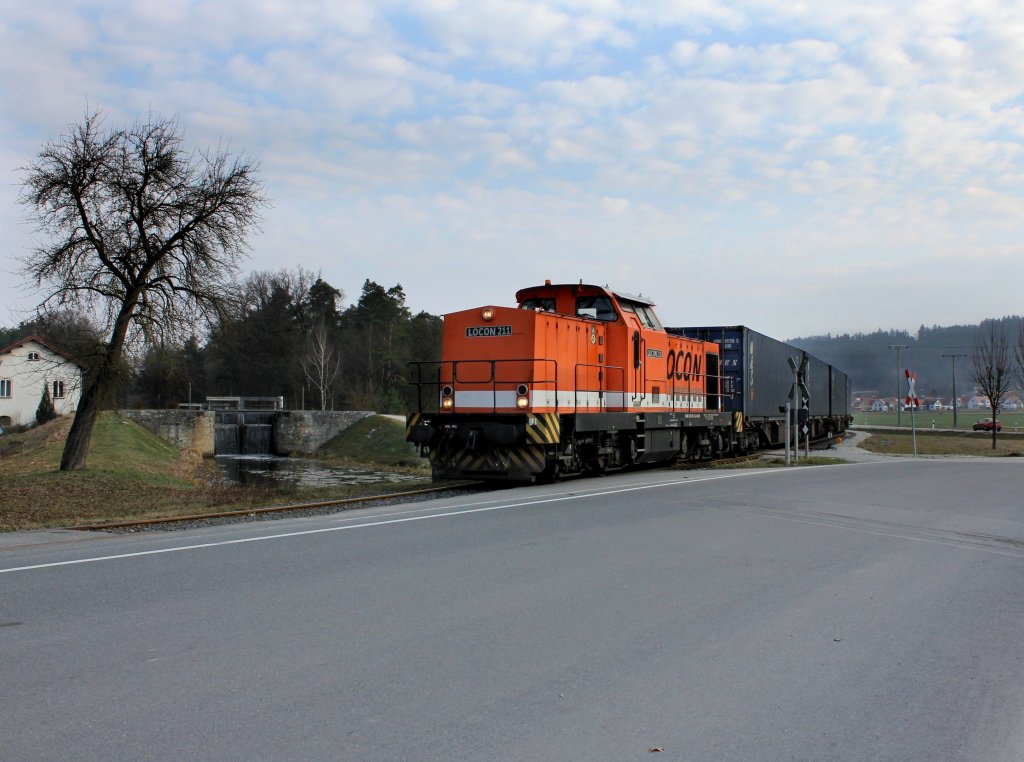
(296, 432)
(303, 431)
(185, 429)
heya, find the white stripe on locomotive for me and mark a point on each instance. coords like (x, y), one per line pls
(591, 400)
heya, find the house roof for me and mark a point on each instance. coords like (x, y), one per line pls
(42, 342)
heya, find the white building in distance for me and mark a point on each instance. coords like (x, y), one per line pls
(27, 367)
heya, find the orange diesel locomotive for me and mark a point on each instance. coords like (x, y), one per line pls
(576, 378)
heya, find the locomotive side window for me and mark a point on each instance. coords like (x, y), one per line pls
(595, 308)
(538, 304)
(647, 317)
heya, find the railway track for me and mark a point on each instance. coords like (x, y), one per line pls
(292, 508)
(717, 462)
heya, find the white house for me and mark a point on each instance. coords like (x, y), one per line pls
(26, 367)
(977, 403)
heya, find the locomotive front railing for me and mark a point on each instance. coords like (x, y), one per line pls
(494, 367)
(489, 378)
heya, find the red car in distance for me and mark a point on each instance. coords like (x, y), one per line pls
(985, 424)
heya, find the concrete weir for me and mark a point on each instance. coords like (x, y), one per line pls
(279, 432)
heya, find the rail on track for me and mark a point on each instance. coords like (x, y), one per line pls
(268, 509)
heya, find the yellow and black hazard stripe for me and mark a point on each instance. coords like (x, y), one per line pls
(524, 461)
(528, 460)
(411, 420)
(737, 422)
(543, 428)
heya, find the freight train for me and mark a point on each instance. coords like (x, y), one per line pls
(580, 379)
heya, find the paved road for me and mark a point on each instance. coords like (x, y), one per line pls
(866, 611)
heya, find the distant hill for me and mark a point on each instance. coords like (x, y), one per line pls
(872, 367)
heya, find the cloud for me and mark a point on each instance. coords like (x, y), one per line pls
(601, 139)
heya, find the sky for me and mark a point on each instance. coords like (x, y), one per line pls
(799, 167)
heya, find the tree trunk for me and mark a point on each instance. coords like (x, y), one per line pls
(995, 425)
(77, 445)
(76, 448)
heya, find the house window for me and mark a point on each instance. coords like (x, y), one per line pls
(58, 390)
(5, 387)
(33, 355)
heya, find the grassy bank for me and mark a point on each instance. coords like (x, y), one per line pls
(132, 474)
(376, 440)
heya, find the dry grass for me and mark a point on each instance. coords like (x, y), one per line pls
(961, 443)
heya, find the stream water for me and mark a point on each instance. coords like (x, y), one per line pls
(269, 469)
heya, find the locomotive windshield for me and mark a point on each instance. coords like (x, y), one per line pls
(595, 308)
(538, 304)
(644, 313)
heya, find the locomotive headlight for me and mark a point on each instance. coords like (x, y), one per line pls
(447, 403)
(522, 396)
(487, 314)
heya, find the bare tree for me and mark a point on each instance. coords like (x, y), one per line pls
(321, 363)
(992, 368)
(138, 231)
(1020, 354)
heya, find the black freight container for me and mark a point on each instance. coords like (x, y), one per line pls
(818, 380)
(757, 377)
(840, 393)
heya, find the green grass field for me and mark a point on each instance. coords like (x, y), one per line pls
(942, 419)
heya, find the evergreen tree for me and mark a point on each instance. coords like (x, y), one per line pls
(46, 412)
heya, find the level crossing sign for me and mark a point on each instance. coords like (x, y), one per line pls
(911, 394)
(798, 391)
(800, 384)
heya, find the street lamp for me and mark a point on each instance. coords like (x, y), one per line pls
(899, 408)
(953, 357)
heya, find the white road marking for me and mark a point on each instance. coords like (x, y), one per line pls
(377, 523)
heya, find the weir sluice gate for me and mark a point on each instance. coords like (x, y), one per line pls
(244, 433)
(244, 425)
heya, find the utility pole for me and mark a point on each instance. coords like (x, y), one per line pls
(953, 358)
(899, 408)
(789, 417)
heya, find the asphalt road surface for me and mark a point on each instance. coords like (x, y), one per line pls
(871, 611)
